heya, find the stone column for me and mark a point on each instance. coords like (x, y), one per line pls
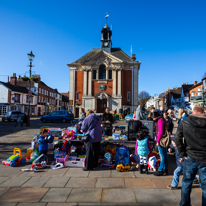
(90, 83)
(71, 84)
(97, 74)
(114, 82)
(85, 83)
(107, 74)
(119, 83)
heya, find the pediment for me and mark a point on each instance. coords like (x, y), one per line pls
(103, 58)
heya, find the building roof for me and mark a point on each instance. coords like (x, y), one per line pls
(116, 52)
(16, 88)
(196, 85)
(187, 87)
(176, 93)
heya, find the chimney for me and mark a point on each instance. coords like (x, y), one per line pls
(184, 84)
(8, 79)
(195, 82)
(13, 79)
(133, 57)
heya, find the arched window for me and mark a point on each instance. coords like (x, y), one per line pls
(102, 72)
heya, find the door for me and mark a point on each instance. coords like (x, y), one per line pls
(39, 111)
(77, 112)
(101, 105)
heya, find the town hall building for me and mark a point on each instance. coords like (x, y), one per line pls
(104, 77)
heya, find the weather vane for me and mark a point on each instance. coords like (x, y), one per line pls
(107, 15)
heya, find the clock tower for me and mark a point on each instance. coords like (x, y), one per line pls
(106, 42)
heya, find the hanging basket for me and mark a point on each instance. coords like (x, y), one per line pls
(24, 78)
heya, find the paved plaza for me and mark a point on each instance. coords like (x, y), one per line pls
(72, 186)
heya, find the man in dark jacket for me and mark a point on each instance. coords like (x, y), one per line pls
(107, 121)
(193, 149)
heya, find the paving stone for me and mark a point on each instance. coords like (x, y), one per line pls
(56, 195)
(3, 191)
(9, 203)
(144, 183)
(115, 173)
(156, 196)
(194, 197)
(81, 182)
(38, 173)
(118, 196)
(198, 191)
(161, 183)
(32, 204)
(3, 179)
(24, 195)
(76, 172)
(197, 204)
(89, 195)
(150, 175)
(110, 182)
(62, 204)
(55, 173)
(104, 173)
(8, 171)
(15, 182)
(36, 182)
(96, 204)
(57, 182)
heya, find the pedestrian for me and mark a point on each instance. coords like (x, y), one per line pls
(125, 112)
(178, 171)
(43, 143)
(160, 125)
(142, 149)
(134, 116)
(171, 113)
(182, 115)
(92, 126)
(19, 120)
(170, 124)
(139, 115)
(107, 121)
(193, 150)
(149, 115)
(120, 113)
(82, 115)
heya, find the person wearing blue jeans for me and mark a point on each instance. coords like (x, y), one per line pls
(193, 150)
(164, 159)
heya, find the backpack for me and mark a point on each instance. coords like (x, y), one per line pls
(108, 158)
(122, 155)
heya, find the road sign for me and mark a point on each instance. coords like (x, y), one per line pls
(30, 93)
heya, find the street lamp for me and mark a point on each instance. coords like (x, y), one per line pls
(31, 57)
(203, 90)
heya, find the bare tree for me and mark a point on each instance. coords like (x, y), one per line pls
(143, 97)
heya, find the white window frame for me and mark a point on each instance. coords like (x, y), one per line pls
(39, 90)
(42, 91)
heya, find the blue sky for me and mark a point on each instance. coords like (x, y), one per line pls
(167, 36)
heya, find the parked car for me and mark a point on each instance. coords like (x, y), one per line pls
(11, 116)
(57, 116)
(129, 117)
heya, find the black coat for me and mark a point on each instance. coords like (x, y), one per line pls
(103, 121)
(170, 125)
(193, 129)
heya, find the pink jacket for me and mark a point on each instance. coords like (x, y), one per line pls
(160, 131)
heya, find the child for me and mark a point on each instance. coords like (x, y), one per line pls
(142, 149)
(43, 142)
(178, 171)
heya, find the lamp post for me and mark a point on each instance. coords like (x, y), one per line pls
(203, 89)
(31, 57)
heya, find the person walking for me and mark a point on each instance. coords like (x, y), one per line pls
(92, 126)
(125, 112)
(182, 115)
(107, 121)
(150, 112)
(139, 115)
(160, 125)
(193, 150)
(120, 113)
(82, 115)
(170, 124)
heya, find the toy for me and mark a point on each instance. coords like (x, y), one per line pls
(57, 166)
(34, 155)
(36, 165)
(152, 163)
(15, 159)
(122, 168)
(108, 160)
(122, 155)
(70, 134)
(74, 161)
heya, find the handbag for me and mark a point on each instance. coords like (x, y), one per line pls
(86, 137)
(165, 141)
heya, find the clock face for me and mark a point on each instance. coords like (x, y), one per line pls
(105, 43)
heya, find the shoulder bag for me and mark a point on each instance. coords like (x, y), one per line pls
(86, 138)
